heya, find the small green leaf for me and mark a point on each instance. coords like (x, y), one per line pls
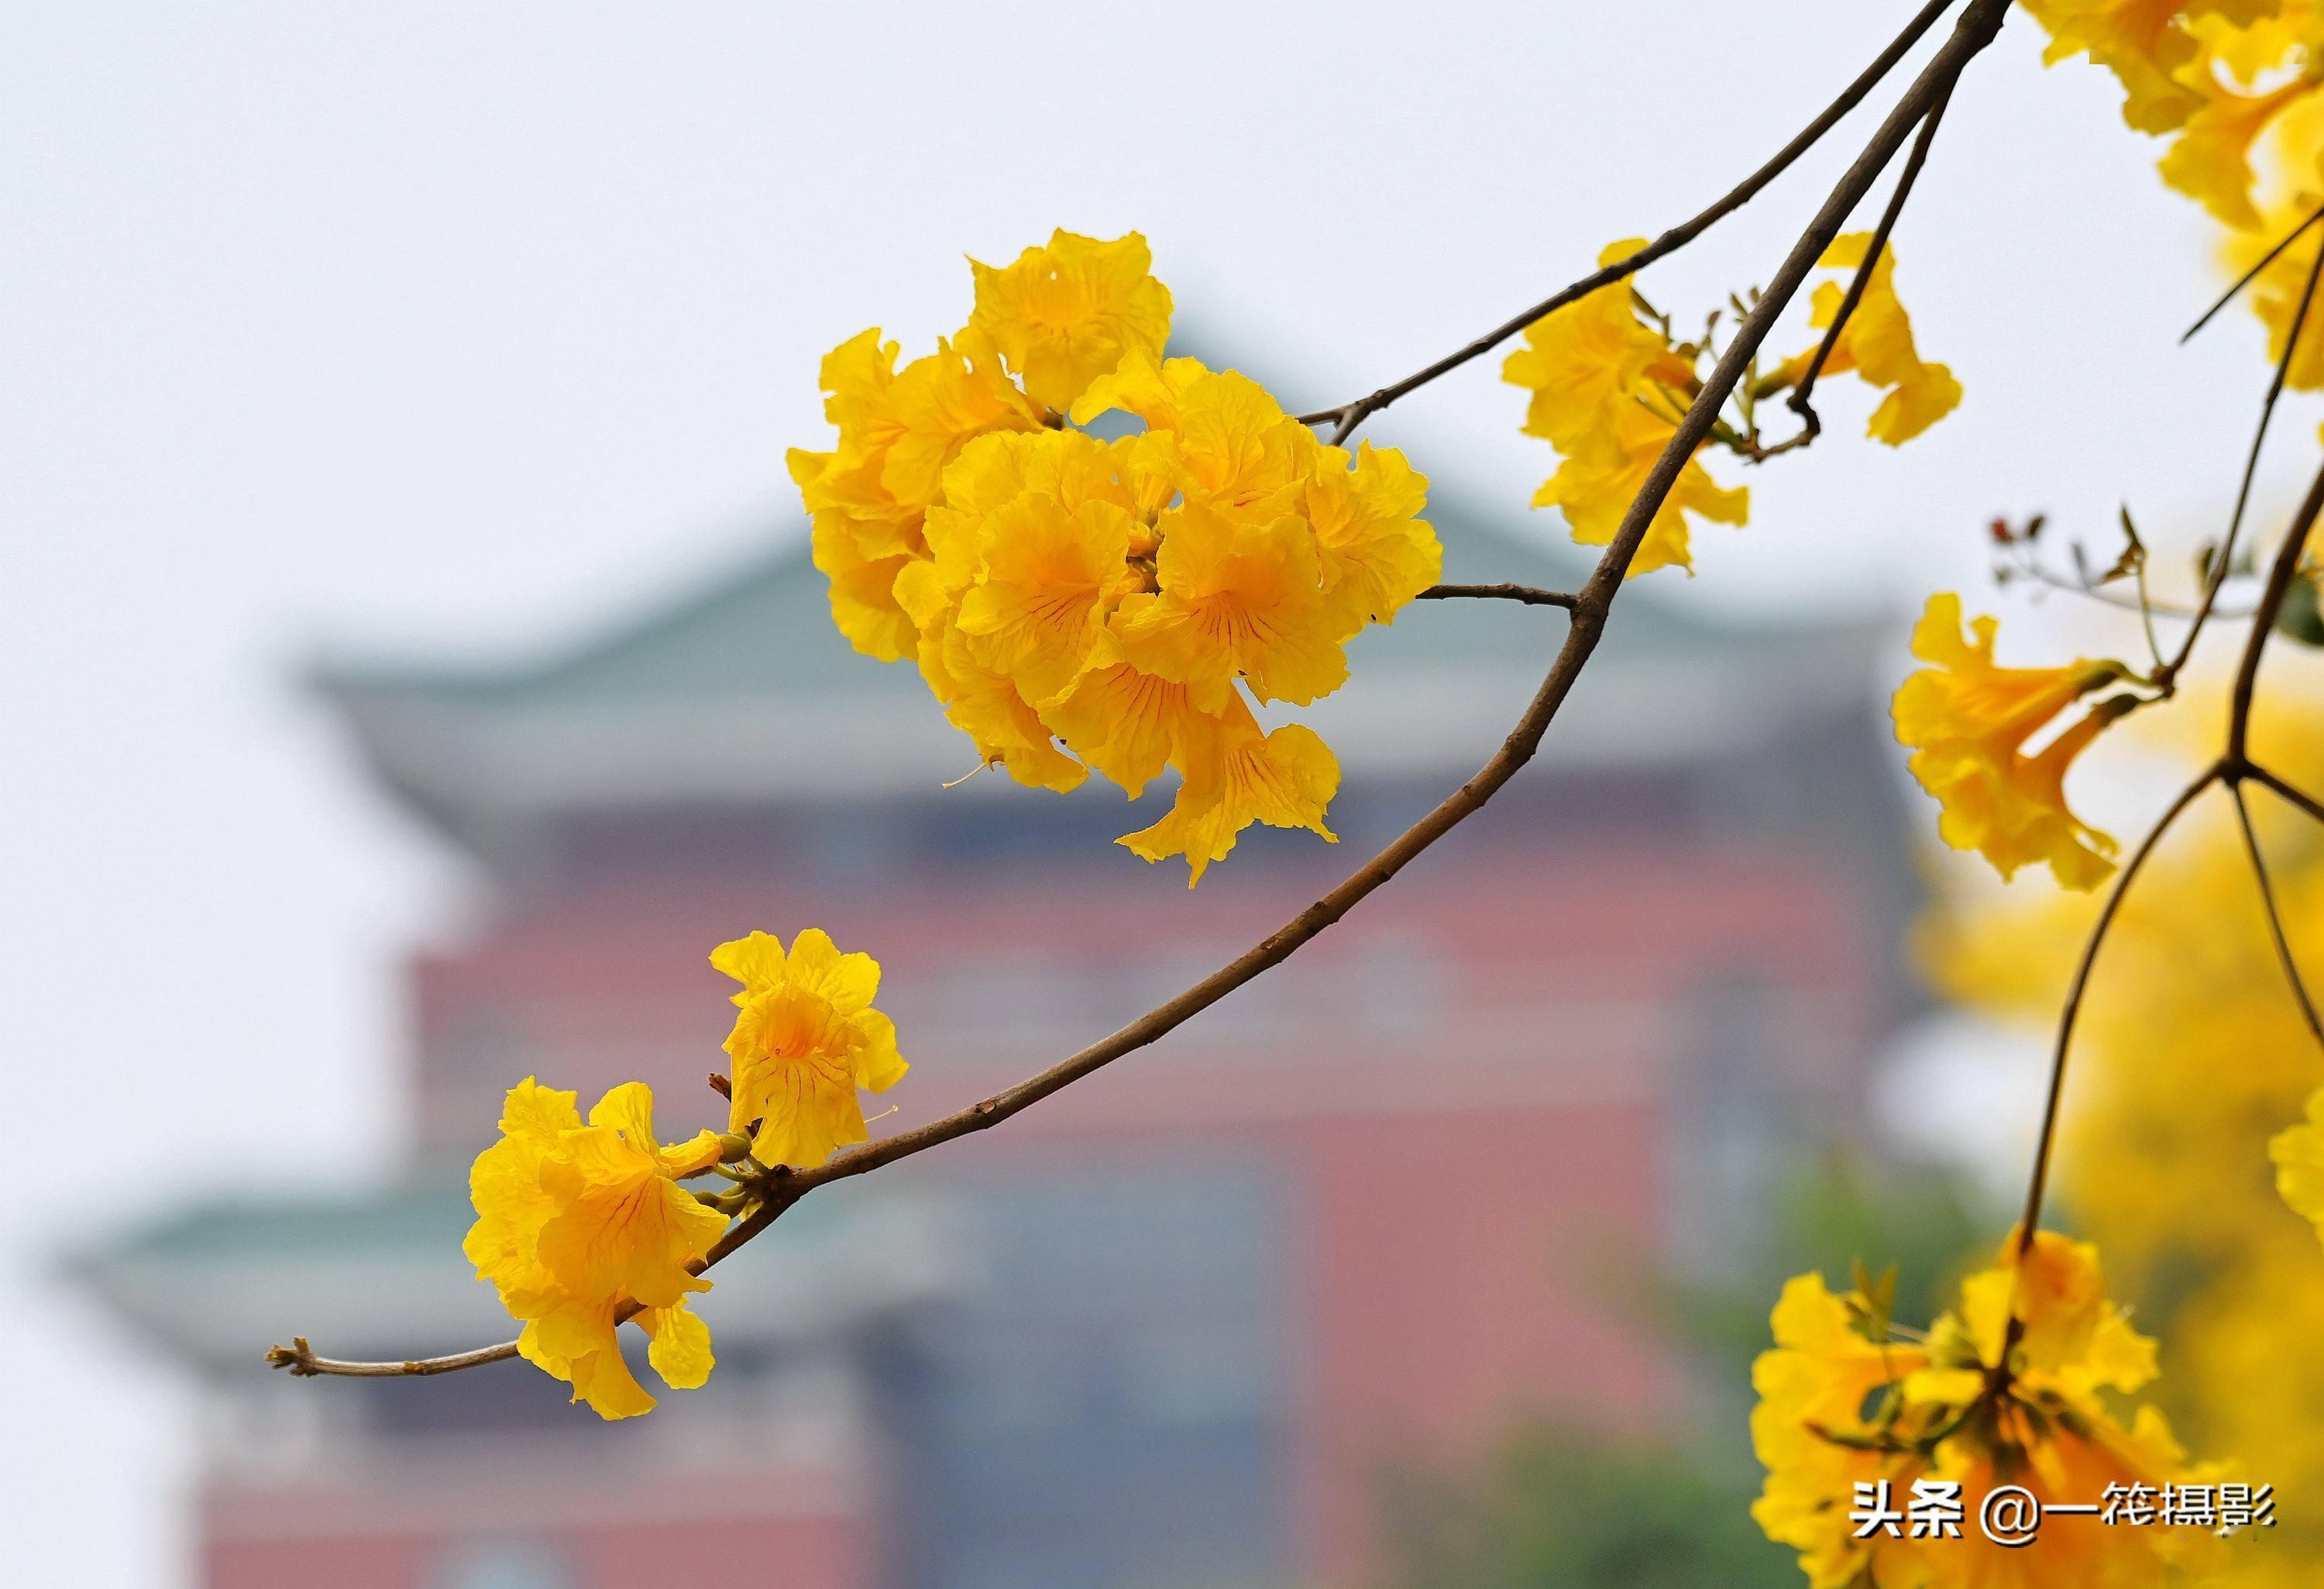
(2302, 617)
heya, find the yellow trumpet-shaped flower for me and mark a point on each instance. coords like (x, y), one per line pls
(805, 1041)
(1607, 391)
(1051, 564)
(1604, 474)
(1240, 596)
(1064, 314)
(1877, 343)
(1236, 775)
(1815, 1382)
(1968, 718)
(2149, 45)
(1216, 434)
(868, 497)
(1376, 552)
(2006, 1389)
(1584, 362)
(578, 1224)
(1127, 724)
(2210, 159)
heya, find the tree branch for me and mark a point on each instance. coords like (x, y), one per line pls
(2275, 917)
(1531, 596)
(2032, 1217)
(1801, 400)
(1591, 606)
(2280, 576)
(303, 1363)
(2300, 798)
(1345, 418)
(2168, 674)
(2251, 275)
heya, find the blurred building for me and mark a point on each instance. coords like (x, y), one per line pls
(1172, 1327)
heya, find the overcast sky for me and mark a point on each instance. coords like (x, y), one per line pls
(438, 328)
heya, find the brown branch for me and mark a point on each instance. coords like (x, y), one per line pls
(2300, 798)
(2275, 917)
(2048, 1139)
(1801, 400)
(2167, 676)
(2158, 609)
(1345, 418)
(1590, 609)
(1531, 596)
(2251, 275)
(302, 1361)
(2280, 576)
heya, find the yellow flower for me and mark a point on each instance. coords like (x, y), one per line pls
(1608, 392)
(1237, 775)
(1064, 315)
(578, 1225)
(2210, 160)
(1878, 344)
(1052, 564)
(1584, 362)
(806, 1039)
(1240, 596)
(1814, 1384)
(2007, 1390)
(1967, 719)
(2149, 45)
(868, 497)
(1216, 434)
(1376, 552)
(2299, 1154)
(1076, 603)
(2275, 295)
(1128, 725)
(1602, 475)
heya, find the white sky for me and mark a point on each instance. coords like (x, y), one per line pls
(436, 327)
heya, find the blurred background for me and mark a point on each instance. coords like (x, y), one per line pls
(415, 669)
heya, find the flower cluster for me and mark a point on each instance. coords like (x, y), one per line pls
(2006, 1389)
(1610, 380)
(1077, 603)
(580, 1227)
(1968, 720)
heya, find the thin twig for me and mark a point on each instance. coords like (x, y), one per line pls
(1801, 400)
(2275, 917)
(2131, 868)
(302, 1361)
(1345, 418)
(1531, 596)
(2251, 275)
(1591, 607)
(2159, 609)
(2294, 795)
(2217, 574)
